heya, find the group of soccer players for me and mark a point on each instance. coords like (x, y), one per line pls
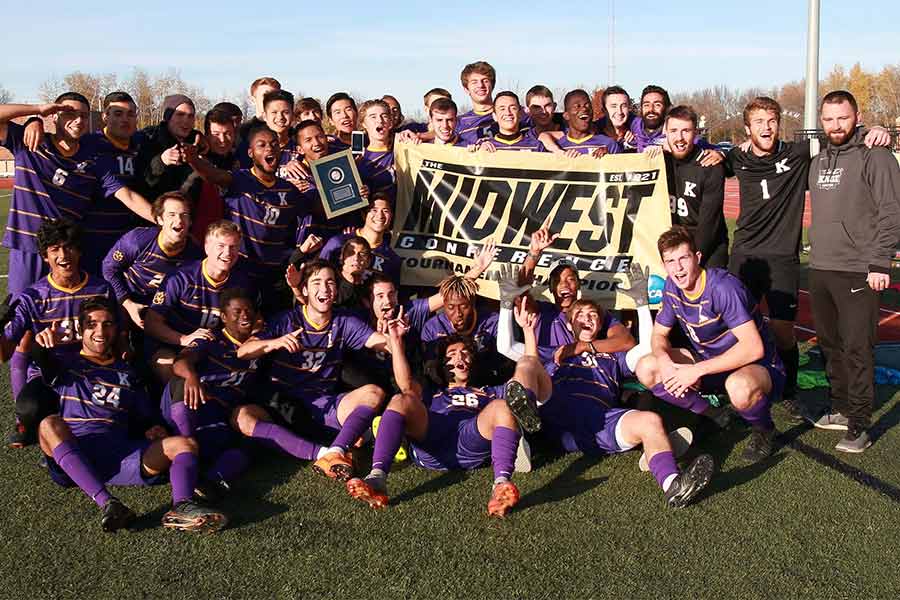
(178, 298)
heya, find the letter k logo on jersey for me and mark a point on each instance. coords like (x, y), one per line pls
(781, 166)
(689, 189)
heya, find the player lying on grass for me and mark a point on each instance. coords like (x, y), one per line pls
(731, 347)
(463, 425)
(585, 413)
(100, 437)
(307, 345)
(212, 398)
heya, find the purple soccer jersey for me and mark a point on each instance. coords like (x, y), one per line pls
(552, 330)
(97, 397)
(188, 298)
(483, 331)
(417, 313)
(314, 371)
(524, 142)
(49, 185)
(589, 143)
(45, 303)
(376, 169)
(473, 126)
(644, 139)
(709, 317)
(108, 219)
(414, 127)
(287, 154)
(384, 259)
(136, 265)
(269, 217)
(465, 402)
(335, 144)
(224, 376)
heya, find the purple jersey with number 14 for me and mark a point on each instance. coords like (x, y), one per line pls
(709, 317)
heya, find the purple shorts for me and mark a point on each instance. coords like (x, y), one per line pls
(322, 409)
(115, 458)
(212, 425)
(582, 424)
(25, 269)
(451, 443)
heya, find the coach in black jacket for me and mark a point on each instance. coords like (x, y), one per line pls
(855, 227)
(160, 166)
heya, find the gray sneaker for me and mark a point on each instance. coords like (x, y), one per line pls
(834, 421)
(854, 442)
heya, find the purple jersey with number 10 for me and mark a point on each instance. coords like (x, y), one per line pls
(709, 317)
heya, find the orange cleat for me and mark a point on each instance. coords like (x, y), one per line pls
(361, 490)
(503, 498)
(335, 465)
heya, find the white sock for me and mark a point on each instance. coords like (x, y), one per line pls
(667, 483)
(337, 449)
(322, 452)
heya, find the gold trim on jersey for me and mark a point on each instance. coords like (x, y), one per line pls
(264, 184)
(702, 280)
(103, 362)
(66, 290)
(209, 279)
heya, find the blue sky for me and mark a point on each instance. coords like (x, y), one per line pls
(407, 47)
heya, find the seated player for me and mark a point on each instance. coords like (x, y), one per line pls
(307, 345)
(731, 347)
(376, 230)
(585, 413)
(580, 137)
(308, 109)
(462, 426)
(99, 438)
(508, 115)
(696, 193)
(46, 312)
(186, 307)
(382, 303)
(266, 207)
(342, 112)
(553, 329)
(376, 165)
(212, 399)
(137, 264)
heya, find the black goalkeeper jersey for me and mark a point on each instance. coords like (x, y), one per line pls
(773, 193)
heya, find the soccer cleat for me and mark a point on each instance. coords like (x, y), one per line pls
(761, 445)
(720, 415)
(116, 516)
(504, 496)
(833, 421)
(522, 404)
(680, 439)
(363, 490)
(334, 465)
(689, 482)
(523, 456)
(17, 438)
(855, 441)
(210, 491)
(191, 516)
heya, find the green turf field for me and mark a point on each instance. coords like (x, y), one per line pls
(808, 523)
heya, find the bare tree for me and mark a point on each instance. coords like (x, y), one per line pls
(5, 95)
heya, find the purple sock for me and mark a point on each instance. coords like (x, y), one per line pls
(358, 421)
(387, 442)
(70, 460)
(228, 466)
(18, 372)
(692, 400)
(184, 418)
(503, 451)
(759, 416)
(283, 439)
(183, 475)
(662, 465)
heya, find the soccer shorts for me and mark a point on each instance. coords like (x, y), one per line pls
(115, 458)
(775, 278)
(451, 442)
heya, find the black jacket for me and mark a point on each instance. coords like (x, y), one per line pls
(152, 177)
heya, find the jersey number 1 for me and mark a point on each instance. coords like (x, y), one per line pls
(765, 189)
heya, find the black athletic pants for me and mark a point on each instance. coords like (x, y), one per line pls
(845, 311)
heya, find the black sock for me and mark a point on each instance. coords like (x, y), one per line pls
(791, 359)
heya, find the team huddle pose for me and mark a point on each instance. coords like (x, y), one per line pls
(178, 298)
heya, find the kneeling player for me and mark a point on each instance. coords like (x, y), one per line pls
(731, 345)
(463, 426)
(88, 442)
(585, 413)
